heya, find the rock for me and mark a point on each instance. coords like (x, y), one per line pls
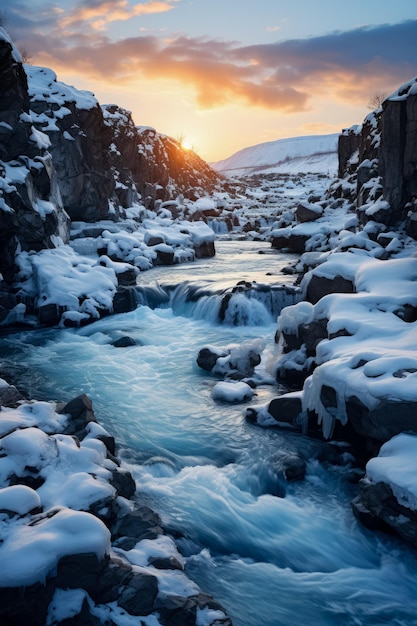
(124, 300)
(25, 605)
(291, 241)
(124, 342)
(377, 508)
(286, 408)
(306, 212)
(142, 523)
(204, 250)
(80, 571)
(137, 597)
(10, 396)
(387, 419)
(320, 286)
(81, 413)
(124, 483)
(348, 143)
(207, 357)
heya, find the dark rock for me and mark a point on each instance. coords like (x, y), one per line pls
(142, 523)
(204, 250)
(127, 278)
(286, 408)
(25, 605)
(293, 467)
(307, 212)
(124, 483)
(169, 562)
(207, 358)
(377, 508)
(293, 242)
(320, 286)
(10, 396)
(348, 144)
(137, 597)
(50, 314)
(80, 571)
(386, 420)
(81, 413)
(124, 342)
(124, 300)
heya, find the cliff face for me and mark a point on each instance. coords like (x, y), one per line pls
(379, 162)
(31, 211)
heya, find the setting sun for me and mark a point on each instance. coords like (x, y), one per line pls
(187, 143)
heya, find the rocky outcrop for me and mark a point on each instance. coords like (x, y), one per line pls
(31, 211)
(62, 486)
(156, 165)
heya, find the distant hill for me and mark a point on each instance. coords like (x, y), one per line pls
(315, 154)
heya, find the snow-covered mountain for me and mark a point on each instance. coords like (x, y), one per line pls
(314, 153)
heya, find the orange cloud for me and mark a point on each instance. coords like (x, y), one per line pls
(98, 15)
(283, 76)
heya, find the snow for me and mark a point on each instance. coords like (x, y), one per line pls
(377, 360)
(19, 499)
(297, 154)
(32, 551)
(39, 527)
(44, 87)
(396, 465)
(232, 391)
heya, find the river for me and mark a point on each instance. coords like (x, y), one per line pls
(273, 554)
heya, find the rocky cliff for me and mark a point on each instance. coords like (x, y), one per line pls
(378, 161)
(65, 159)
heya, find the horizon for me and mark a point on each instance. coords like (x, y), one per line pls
(224, 78)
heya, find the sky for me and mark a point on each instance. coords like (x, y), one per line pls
(225, 74)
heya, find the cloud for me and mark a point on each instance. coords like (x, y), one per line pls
(102, 12)
(283, 76)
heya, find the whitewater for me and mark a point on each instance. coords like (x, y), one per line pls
(273, 553)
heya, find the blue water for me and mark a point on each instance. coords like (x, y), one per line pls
(270, 560)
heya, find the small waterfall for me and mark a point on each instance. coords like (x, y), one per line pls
(245, 304)
(153, 296)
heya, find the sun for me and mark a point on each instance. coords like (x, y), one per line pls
(187, 143)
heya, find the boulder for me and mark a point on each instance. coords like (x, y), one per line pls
(377, 509)
(307, 212)
(320, 286)
(286, 409)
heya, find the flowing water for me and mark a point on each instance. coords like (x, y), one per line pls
(272, 553)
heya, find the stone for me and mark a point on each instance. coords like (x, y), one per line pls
(377, 509)
(286, 408)
(81, 413)
(205, 249)
(207, 358)
(293, 242)
(137, 597)
(387, 419)
(124, 483)
(10, 396)
(124, 342)
(306, 212)
(320, 286)
(124, 300)
(142, 523)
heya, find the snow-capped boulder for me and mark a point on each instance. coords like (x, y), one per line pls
(387, 496)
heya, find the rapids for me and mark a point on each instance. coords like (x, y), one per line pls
(274, 554)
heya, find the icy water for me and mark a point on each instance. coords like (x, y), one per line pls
(270, 560)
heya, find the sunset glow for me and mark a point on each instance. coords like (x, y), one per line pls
(229, 75)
